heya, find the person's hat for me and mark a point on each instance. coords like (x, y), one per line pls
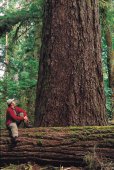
(9, 101)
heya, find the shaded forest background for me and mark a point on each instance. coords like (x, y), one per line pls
(20, 31)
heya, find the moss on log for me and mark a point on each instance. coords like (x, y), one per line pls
(63, 145)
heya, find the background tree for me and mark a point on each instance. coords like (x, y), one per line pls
(70, 84)
(107, 17)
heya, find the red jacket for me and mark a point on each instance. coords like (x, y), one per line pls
(11, 115)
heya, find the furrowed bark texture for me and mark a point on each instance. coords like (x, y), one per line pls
(59, 145)
(70, 85)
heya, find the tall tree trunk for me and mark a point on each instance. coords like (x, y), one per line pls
(70, 84)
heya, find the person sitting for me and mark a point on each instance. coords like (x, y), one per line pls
(14, 117)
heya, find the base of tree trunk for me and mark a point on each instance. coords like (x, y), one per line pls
(60, 145)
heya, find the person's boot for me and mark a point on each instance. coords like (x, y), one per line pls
(28, 125)
(14, 140)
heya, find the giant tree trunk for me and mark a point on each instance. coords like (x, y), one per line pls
(70, 146)
(70, 84)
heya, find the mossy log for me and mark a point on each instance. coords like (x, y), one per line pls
(63, 145)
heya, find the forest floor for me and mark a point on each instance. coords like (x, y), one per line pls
(34, 166)
(30, 166)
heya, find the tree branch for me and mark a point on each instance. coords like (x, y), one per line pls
(7, 22)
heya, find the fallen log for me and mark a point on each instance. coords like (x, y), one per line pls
(61, 145)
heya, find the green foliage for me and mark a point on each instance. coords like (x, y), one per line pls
(21, 6)
(107, 23)
(22, 70)
(107, 14)
(104, 4)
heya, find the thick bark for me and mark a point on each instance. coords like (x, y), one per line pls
(70, 84)
(70, 145)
